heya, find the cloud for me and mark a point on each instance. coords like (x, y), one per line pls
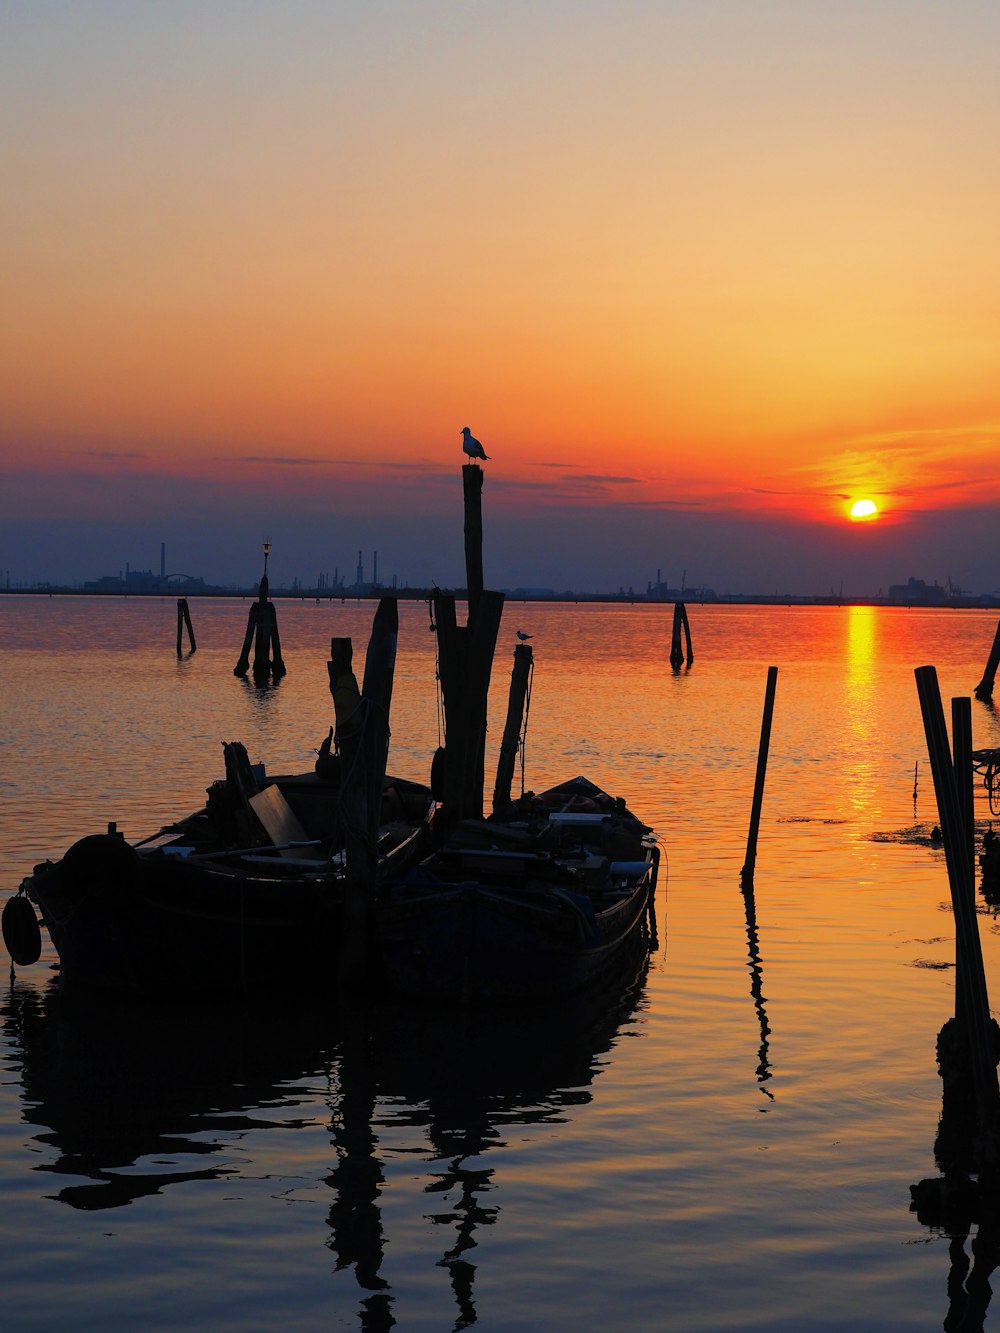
(114, 453)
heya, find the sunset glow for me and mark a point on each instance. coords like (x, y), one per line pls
(864, 509)
(685, 283)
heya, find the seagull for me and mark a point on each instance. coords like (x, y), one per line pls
(471, 445)
(522, 636)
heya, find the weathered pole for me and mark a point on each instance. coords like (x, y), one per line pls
(243, 664)
(984, 690)
(465, 663)
(749, 864)
(472, 488)
(961, 742)
(974, 1004)
(519, 677)
(262, 635)
(677, 656)
(184, 619)
(262, 632)
(362, 739)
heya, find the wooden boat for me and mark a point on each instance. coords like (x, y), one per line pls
(245, 895)
(540, 901)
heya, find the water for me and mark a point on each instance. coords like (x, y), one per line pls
(726, 1147)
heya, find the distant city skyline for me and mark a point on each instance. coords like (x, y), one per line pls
(367, 571)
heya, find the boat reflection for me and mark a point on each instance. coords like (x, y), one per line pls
(126, 1099)
(114, 1087)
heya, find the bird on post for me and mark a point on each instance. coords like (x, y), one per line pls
(522, 636)
(471, 445)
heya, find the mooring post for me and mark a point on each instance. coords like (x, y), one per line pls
(749, 864)
(971, 976)
(243, 664)
(184, 619)
(984, 690)
(519, 677)
(278, 667)
(262, 635)
(380, 667)
(677, 655)
(472, 489)
(961, 751)
(465, 663)
(362, 738)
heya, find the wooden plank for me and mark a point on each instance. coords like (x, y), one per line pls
(280, 821)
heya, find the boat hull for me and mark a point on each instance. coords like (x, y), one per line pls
(471, 944)
(178, 928)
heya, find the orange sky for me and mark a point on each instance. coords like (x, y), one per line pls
(734, 256)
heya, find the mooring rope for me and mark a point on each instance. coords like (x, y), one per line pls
(987, 762)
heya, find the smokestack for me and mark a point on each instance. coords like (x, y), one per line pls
(163, 560)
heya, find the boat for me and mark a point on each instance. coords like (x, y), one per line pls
(544, 899)
(243, 896)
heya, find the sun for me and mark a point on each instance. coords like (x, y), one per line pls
(864, 509)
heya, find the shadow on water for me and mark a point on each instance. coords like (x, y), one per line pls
(756, 967)
(112, 1086)
(122, 1097)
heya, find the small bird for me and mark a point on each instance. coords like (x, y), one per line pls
(471, 445)
(522, 636)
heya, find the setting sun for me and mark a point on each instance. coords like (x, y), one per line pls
(862, 509)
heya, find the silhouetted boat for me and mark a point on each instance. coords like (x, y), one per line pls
(537, 902)
(242, 896)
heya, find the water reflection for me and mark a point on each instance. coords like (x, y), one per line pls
(113, 1087)
(861, 763)
(756, 966)
(133, 1102)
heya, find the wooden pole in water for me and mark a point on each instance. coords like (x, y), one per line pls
(961, 743)
(972, 977)
(984, 690)
(359, 847)
(362, 739)
(677, 656)
(278, 667)
(243, 664)
(472, 489)
(465, 663)
(519, 677)
(184, 619)
(262, 635)
(749, 864)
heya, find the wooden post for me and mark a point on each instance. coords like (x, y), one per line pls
(184, 619)
(380, 668)
(278, 667)
(262, 636)
(984, 690)
(961, 735)
(243, 665)
(758, 789)
(465, 663)
(472, 488)
(519, 677)
(972, 978)
(680, 622)
(262, 632)
(362, 738)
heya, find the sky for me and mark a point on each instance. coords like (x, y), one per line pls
(698, 273)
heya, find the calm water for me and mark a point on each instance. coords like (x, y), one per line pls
(725, 1148)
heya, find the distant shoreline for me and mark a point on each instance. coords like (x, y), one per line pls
(984, 602)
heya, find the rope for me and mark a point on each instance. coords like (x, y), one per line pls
(987, 762)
